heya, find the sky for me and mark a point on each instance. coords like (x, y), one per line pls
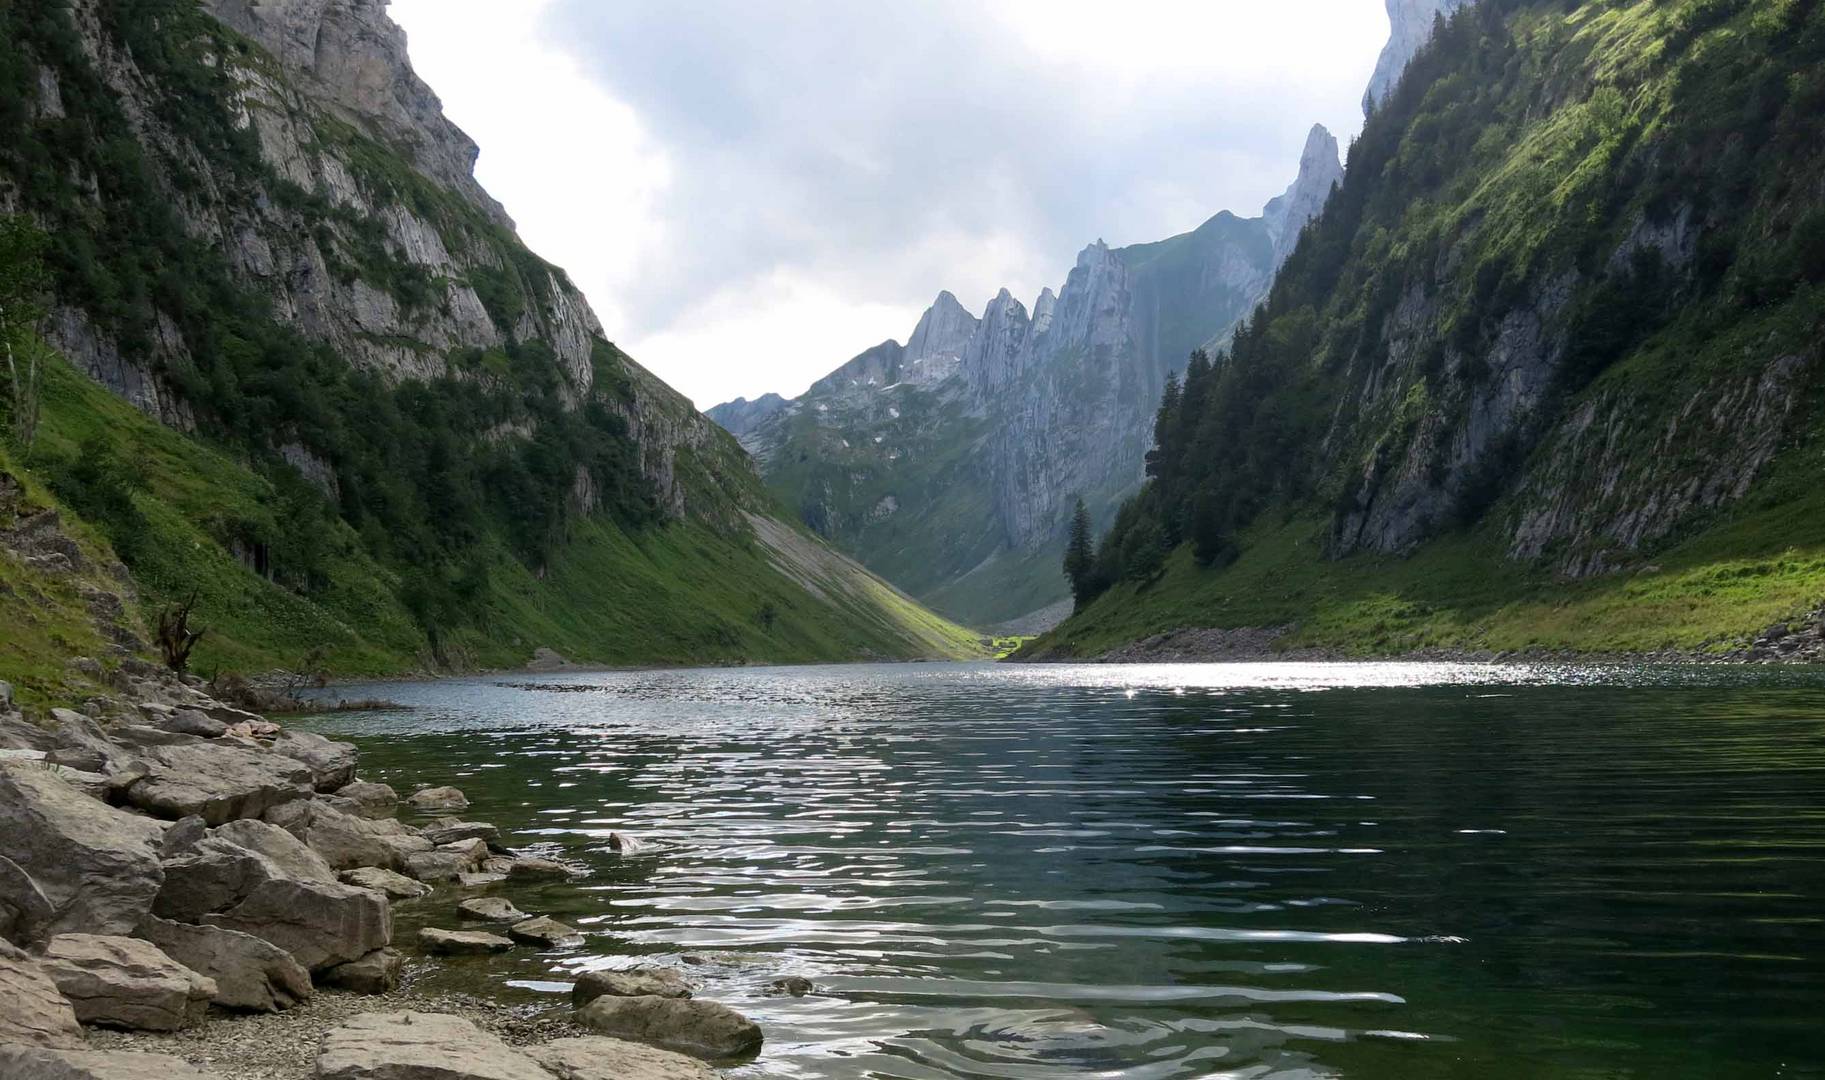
(750, 192)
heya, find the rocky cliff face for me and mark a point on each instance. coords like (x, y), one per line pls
(1043, 406)
(1410, 24)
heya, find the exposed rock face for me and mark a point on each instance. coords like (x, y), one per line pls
(32, 1012)
(703, 1029)
(963, 452)
(1410, 27)
(741, 416)
(597, 1058)
(25, 912)
(249, 973)
(97, 866)
(349, 53)
(1320, 170)
(320, 925)
(419, 1046)
(126, 983)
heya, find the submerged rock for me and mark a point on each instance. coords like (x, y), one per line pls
(594, 1057)
(32, 1011)
(530, 869)
(438, 800)
(447, 832)
(371, 800)
(97, 866)
(796, 985)
(461, 942)
(376, 973)
(250, 973)
(490, 909)
(703, 1029)
(632, 982)
(419, 1046)
(126, 983)
(394, 886)
(542, 932)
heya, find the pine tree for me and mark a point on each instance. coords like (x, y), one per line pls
(1080, 556)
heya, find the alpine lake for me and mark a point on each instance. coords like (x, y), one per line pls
(1381, 871)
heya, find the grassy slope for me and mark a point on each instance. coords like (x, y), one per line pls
(1722, 578)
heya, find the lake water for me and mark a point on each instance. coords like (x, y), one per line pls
(1381, 871)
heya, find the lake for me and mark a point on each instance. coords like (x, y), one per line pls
(1258, 870)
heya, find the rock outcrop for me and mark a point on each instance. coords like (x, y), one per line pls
(97, 866)
(32, 1011)
(319, 925)
(249, 973)
(126, 983)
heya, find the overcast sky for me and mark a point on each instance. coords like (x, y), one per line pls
(752, 191)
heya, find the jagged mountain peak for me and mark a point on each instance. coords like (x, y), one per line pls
(937, 344)
(1409, 28)
(1320, 169)
(352, 56)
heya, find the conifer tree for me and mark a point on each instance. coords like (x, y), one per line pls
(1080, 556)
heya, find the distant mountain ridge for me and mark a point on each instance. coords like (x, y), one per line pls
(950, 464)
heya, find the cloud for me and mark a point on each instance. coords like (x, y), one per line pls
(743, 188)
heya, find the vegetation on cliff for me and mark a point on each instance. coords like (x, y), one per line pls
(1544, 372)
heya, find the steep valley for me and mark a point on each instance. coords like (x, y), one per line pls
(297, 365)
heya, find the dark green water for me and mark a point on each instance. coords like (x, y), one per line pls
(1300, 871)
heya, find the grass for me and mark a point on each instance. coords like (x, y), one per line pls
(1760, 564)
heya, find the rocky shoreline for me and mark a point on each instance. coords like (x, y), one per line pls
(1800, 641)
(189, 891)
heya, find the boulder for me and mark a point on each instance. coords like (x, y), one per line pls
(529, 869)
(126, 983)
(97, 866)
(214, 875)
(419, 1046)
(320, 924)
(796, 985)
(182, 836)
(437, 800)
(29, 1063)
(594, 1057)
(490, 909)
(348, 842)
(447, 832)
(624, 844)
(394, 886)
(702, 1029)
(191, 722)
(332, 764)
(32, 1012)
(376, 973)
(479, 879)
(290, 854)
(25, 912)
(220, 780)
(250, 973)
(370, 800)
(461, 942)
(631, 982)
(472, 853)
(542, 933)
(437, 865)
(76, 741)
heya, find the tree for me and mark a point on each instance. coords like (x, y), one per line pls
(1080, 557)
(22, 284)
(1144, 553)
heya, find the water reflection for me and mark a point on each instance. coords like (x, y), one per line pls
(1382, 870)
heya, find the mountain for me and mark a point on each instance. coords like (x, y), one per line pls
(950, 465)
(300, 366)
(1410, 26)
(1544, 374)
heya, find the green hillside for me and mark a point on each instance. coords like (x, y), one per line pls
(1544, 374)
